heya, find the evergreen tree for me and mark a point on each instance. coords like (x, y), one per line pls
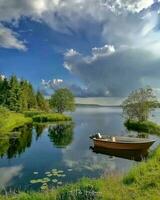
(32, 103)
(24, 96)
(4, 92)
(19, 95)
(14, 94)
(41, 102)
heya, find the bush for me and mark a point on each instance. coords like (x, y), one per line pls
(51, 118)
(146, 126)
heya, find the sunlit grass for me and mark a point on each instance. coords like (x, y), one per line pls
(10, 120)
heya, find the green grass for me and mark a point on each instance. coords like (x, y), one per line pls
(146, 126)
(32, 113)
(11, 120)
(141, 182)
(51, 117)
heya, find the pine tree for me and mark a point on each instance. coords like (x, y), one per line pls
(24, 96)
(41, 102)
(14, 94)
(32, 102)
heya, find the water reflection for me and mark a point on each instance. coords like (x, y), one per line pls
(39, 128)
(129, 154)
(61, 135)
(13, 145)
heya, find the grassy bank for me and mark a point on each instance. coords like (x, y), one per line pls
(142, 182)
(51, 117)
(146, 126)
(10, 120)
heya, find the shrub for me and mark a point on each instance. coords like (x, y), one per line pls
(32, 113)
(51, 118)
(145, 126)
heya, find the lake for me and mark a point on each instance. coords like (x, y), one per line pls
(42, 149)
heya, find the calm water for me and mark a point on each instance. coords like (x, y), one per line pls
(62, 147)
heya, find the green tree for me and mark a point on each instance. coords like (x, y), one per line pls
(4, 92)
(42, 104)
(24, 95)
(14, 94)
(139, 104)
(62, 100)
(32, 102)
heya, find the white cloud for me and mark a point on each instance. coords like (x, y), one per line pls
(134, 6)
(52, 84)
(106, 50)
(71, 52)
(8, 39)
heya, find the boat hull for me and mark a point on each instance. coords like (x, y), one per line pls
(137, 155)
(120, 145)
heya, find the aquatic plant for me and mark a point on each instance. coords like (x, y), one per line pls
(51, 178)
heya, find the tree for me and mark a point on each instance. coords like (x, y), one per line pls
(139, 104)
(4, 88)
(42, 104)
(14, 94)
(62, 100)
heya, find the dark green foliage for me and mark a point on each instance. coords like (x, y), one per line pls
(62, 100)
(139, 104)
(14, 92)
(145, 126)
(62, 134)
(42, 104)
(19, 95)
(32, 113)
(81, 192)
(51, 117)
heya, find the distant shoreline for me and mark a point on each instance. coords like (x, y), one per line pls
(97, 105)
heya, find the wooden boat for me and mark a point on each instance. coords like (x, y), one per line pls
(125, 143)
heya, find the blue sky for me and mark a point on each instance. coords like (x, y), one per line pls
(94, 47)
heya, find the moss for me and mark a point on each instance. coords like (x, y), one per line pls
(145, 126)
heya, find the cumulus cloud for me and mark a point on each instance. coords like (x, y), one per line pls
(49, 86)
(68, 15)
(115, 74)
(9, 40)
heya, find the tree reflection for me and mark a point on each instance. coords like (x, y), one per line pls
(39, 127)
(61, 134)
(13, 145)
